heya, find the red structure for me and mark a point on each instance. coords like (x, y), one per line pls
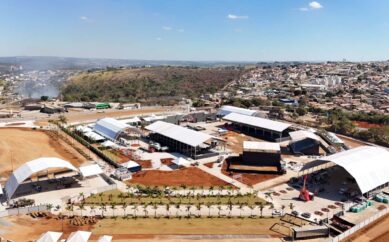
(304, 193)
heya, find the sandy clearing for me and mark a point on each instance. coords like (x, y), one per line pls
(23, 144)
(377, 232)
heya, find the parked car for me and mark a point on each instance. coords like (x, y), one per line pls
(306, 215)
(295, 213)
(277, 212)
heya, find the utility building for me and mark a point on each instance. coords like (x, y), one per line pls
(259, 156)
(256, 126)
(186, 141)
(304, 142)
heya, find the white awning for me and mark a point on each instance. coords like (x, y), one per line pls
(91, 170)
(261, 146)
(130, 164)
(79, 236)
(257, 122)
(180, 161)
(34, 166)
(368, 165)
(110, 128)
(178, 133)
(226, 109)
(109, 143)
(105, 238)
(94, 136)
(49, 236)
(303, 134)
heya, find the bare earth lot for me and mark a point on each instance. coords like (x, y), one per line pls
(190, 176)
(23, 145)
(140, 229)
(377, 232)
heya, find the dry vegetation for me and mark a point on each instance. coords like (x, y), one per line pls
(149, 85)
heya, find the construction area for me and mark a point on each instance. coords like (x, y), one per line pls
(228, 172)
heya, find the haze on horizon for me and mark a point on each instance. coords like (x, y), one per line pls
(197, 30)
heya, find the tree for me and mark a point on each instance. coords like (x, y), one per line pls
(81, 207)
(301, 111)
(44, 98)
(63, 119)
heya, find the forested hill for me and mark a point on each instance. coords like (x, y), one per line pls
(150, 85)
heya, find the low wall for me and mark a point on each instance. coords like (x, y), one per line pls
(359, 226)
(23, 210)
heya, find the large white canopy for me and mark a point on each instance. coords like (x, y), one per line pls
(368, 165)
(181, 134)
(91, 170)
(32, 167)
(257, 122)
(110, 128)
(49, 236)
(105, 238)
(79, 236)
(226, 109)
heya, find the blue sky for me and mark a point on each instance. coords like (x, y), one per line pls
(231, 30)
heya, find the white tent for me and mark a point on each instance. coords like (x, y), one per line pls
(109, 144)
(49, 236)
(226, 109)
(261, 123)
(34, 166)
(105, 238)
(91, 170)
(180, 161)
(368, 165)
(130, 164)
(179, 133)
(79, 236)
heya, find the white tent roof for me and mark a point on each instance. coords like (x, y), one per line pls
(261, 146)
(79, 236)
(108, 143)
(257, 122)
(110, 128)
(91, 170)
(31, 167)
(368, 165)
(83, 129)
(130, 164)
(303, 134)
(226, 109)
(181, 134)
(49, 236)
(94, 136)
(180, 161)
(105, 238)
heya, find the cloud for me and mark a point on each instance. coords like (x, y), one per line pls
(167, 28)
(234, 17)
(86, 19)
(315, 5)
(311, 6)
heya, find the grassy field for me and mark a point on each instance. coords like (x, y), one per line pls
(117, 197)
(184, 226)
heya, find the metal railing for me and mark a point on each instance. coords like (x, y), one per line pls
(23, 210)
(359, 226)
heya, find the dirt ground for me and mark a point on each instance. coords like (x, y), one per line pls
(23, 144)
(377, 232)
(77, 116)
(140, 229)
(249, 178)
(235, 140)
(190, 176)
(351, 142)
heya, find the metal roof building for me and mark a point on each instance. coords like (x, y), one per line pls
(304, 142)
(226, 109)
(182, 139)
(32, 167)
(265, 128)
(368, 165)
(110, 128)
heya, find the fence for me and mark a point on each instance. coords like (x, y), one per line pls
(359, 226)
(23, 210)
(78, 198)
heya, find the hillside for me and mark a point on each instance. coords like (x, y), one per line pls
(163, 85)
